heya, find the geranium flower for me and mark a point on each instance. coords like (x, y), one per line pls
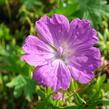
(62, 51)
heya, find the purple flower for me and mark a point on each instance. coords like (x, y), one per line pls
(57, 96)
(62, 51)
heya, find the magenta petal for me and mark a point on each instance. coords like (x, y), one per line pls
(93, 62)
(33, 60)
(81, 76)
(86, 59)
(82, 34)
(45, 75)
(55, 75)
(57, 96)
(84, 63)
(34, 45)
(43, 30)
(63, 75)
(53, 30)
(36, 51)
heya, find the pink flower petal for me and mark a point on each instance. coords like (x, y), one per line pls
(81, 76)
(53, 30)
(82, 34)
(55, 75)
(36, 51)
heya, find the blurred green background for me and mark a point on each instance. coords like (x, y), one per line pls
(17, 89)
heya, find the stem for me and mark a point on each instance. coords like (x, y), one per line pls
(8, 8)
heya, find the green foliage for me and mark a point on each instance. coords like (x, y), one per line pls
(8, 61)
(30, 10)
(4, 33)
(103, 43)
(91, 95)
(23, 86)
(94, 10)
(2, 2)
(31, 5)
(77, 96)
(64, 8)
(17, 18)
(46, 101)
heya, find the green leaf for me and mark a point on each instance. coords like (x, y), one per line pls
(78, 99)
(40, 93)
(41, 104)
(95, 94)
(4, 32)
(9, 57)
(104, 102)
(31, 5)
(22, 85)
(94, 10)
(44, 105)
(100, 36)
(105, 99)
(100, 81)
(64, 8)
(74, 107)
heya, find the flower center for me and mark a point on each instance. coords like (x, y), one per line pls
(60, 51)
(63, 52)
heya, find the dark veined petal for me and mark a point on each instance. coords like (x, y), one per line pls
(33, 60)
(36, 51)
(81, 34)
(45, 75)
(85, 58)
(53, 30)
(81, 76)
(83, 64)
(63, 75)
(88, 60)
(55, 75)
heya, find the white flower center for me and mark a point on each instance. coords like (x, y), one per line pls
(64, 52)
